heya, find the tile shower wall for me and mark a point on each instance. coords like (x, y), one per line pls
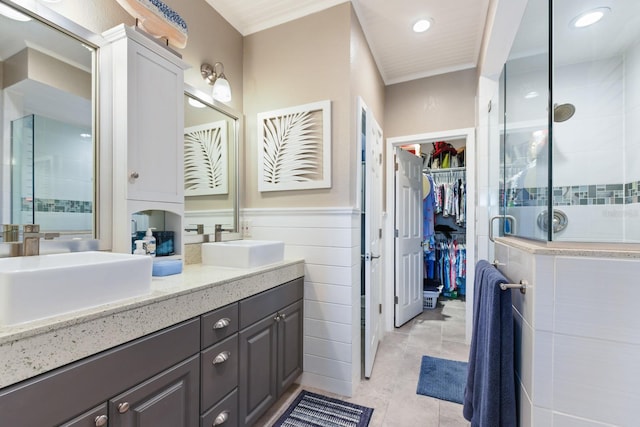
(578, 338)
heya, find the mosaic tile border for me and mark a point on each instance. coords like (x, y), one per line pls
(575, 195)
(57, 205)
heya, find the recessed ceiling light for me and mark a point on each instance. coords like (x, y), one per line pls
(422, 25)
(13, 14)
(531, 95)
(589, 17)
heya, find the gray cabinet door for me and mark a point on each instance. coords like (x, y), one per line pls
(169, 399)
(96, 417)
(289, 345)
(258, 382)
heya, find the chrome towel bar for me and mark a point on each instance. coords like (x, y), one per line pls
(504, 286)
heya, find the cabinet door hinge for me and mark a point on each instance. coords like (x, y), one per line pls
(395, 299)
(380, 308)
(396, 233)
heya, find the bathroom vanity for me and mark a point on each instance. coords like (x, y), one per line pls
(211, 346)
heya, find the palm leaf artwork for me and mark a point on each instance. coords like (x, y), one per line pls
(292, 150)
(205, 159)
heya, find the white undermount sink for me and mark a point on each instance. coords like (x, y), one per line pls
(38, 287)
(242, 253)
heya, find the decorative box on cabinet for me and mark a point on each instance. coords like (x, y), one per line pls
(144, 82)
(270, 347)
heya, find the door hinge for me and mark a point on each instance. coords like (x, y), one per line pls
(380, 308)
(489, 106)
(379, 233)
(396, 233)
(395, 299)
(396, 166)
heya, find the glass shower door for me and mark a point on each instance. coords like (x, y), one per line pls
(526, 151)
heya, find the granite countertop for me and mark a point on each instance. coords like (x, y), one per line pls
(36, 347)
(579, 249)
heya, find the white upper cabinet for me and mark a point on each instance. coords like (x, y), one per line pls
(144, 83)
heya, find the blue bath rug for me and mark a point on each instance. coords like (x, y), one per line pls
(314, 410)
(442, 378)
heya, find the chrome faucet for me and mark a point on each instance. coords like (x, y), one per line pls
(218, 232)
(31, 239)
(199, 228)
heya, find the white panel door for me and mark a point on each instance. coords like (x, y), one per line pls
(409, 263)
(373, 231)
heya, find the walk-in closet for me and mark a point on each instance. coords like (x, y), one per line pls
(444, 218)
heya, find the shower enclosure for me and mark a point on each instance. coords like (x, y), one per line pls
(570, 123)
(52, 174)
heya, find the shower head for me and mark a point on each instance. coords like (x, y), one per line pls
(563, 112)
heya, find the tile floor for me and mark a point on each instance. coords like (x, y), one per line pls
(391, 391)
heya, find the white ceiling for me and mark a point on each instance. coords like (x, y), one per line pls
(452, 43)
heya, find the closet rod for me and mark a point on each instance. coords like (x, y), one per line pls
(458, 169)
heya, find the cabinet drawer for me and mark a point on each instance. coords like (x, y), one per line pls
(224, 414)
(219, 371)
(96, 417)
(260, 306)
(218, 324)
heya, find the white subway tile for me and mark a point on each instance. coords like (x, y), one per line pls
(597, 380)
(598, 298)
(543, 288)
(542, 369)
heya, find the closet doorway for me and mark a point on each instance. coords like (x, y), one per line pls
(394, 290)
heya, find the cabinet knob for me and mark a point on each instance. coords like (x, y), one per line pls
(283, 316)
(101, 420)
(134, 175)
(277, 317)
(222, 323)
(221, 358)
(123, 407)
(221, 418)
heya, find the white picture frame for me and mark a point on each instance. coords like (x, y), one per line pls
(294, 148)
(206, 170)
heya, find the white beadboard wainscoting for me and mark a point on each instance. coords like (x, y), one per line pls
(329, 241)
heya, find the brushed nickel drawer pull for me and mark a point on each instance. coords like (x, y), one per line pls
(123, 407)
(101, 420)
(222, 323)
(221, 358)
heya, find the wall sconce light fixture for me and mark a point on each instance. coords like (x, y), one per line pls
(221, 87)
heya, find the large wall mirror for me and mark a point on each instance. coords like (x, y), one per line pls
(211, 139)
(47, 122)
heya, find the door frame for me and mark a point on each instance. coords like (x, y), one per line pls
(469, 134)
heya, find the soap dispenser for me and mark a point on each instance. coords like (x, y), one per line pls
(150, 242)
(139, 248)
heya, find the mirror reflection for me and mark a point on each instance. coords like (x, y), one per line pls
(46, 120)
(211, 141)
